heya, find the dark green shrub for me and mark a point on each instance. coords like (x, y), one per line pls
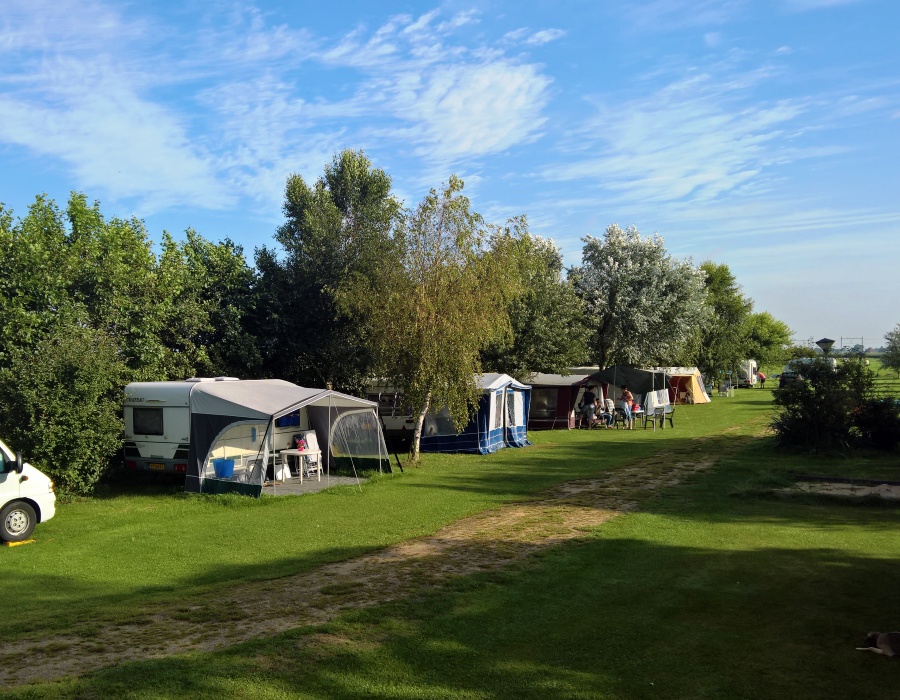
(60, 405)
(819, 413)
(878, 421)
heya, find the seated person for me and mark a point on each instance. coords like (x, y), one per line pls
(601, 415)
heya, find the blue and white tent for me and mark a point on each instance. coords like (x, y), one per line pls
(501, 420)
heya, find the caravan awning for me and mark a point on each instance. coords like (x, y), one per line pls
(264, 398)
(639, 381)
(217, 405)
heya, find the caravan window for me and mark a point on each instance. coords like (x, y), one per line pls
(515, 408)
(498, 410)
(543, 403)
(147, 421)
(390, 404)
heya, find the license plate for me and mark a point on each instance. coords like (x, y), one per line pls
(157, 465)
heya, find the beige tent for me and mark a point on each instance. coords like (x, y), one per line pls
(685, 385)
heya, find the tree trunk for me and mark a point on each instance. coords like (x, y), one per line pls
(417, 433)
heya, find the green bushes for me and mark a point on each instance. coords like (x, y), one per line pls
(878, 421)
(834, 408)
(62, 405)
(87, 306)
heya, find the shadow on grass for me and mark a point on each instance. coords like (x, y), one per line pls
(606, 618)
(748, 485)
(97, 606)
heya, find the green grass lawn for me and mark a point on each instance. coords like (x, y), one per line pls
(710, 591)
(96, 557)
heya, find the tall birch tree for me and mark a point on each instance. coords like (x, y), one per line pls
(441, 297)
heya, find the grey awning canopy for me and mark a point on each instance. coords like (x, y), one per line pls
(639, 381)
(264, 398)
(217, 405)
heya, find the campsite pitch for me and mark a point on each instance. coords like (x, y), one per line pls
(488, 541)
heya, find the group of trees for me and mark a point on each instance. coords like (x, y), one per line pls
(85, 307)
(356, 286)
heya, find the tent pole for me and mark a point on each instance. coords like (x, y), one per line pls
(272, 446)
(330, 426)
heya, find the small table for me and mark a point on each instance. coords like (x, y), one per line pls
(303, 453)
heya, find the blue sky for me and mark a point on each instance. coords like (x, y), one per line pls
(763, 134)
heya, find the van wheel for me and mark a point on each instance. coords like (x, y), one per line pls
(17, 520)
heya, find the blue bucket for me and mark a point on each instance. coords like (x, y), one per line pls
(224, 468)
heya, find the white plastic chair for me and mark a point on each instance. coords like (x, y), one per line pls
(312, 464)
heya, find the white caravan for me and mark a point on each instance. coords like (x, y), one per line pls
(158, 426)
(746, 374)
(26, 497)
(224, 434)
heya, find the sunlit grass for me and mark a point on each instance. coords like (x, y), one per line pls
(710, 591)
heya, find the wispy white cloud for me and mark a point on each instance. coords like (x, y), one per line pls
(669, 15)
(73, 92)
(413, 84)
(473, 109)
(530, 37)
(448, 101)
(806, 5)
(65, 26)
(115, 142)
(545, 36)
(683, 142)
(244, 37)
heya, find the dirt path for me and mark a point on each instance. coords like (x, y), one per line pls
(487, 541)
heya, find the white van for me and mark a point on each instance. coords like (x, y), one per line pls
(26, 497)
(746, 374)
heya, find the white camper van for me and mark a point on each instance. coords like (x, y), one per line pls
(746, 374)
(26, 497)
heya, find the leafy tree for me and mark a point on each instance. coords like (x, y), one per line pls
(34, 284)
(766, 338)
(212, 297)
(796, 352)
(642, 305)
(335, 230)
(722, 341)
(890, 358)
(111, 275)
(547, 318)
(439, 298)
